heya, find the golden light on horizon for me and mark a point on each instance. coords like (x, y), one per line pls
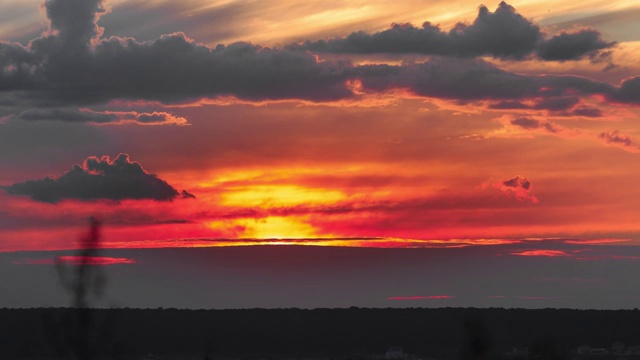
(278, 227)
(268, 196)
(270, 227)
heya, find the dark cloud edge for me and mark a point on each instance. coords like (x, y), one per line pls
(100, 179)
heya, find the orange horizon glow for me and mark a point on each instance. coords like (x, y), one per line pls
(372, 243)
(382, 243)
(388, 165)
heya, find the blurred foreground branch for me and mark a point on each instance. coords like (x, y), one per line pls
(77, 333)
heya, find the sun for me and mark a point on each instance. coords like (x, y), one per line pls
(278, 227)
(269, 196)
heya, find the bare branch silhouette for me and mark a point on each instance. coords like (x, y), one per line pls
(78, 334)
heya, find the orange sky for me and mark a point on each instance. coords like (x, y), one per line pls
(404, 176)
(361, 158)
(431, 153)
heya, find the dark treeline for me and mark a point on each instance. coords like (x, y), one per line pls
(327, 332)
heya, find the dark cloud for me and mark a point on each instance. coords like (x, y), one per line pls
(526, 123)
(615, 137)
(99, 178)
(587, 111)
(517, 182)
(557, 103)
(174, 68)
(508, 105)
(64, 114)
(476, 79)
(520, 188)
(74, 22)
(465, 79)
(74, 115)
(187, 195)
(16, 64)
(629, 91)
(63, 68)
(534, 124)
(503, 34)
(573, 46)
(70, 68)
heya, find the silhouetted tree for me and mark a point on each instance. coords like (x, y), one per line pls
(76, 333)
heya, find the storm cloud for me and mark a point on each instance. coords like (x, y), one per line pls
(503, 34)
(99, 179)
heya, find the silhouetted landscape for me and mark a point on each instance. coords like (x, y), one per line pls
(353, 333)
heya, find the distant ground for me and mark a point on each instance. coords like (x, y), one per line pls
(445, 333)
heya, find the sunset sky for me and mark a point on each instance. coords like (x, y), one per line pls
(436, 153)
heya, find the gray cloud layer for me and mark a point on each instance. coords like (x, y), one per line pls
(97, 179)
(60, 73)
(502, 34)
(475, 79)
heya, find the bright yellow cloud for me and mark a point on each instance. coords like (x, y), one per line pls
(268, 196)
(278, 227)
(270, 227)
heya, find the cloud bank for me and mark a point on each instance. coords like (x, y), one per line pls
(503, 34)
(61, 74)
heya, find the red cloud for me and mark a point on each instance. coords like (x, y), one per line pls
(548, 253)
(520, 187)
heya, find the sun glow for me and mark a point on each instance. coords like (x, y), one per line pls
(278, 227)
(270, 227)
(267, 196)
